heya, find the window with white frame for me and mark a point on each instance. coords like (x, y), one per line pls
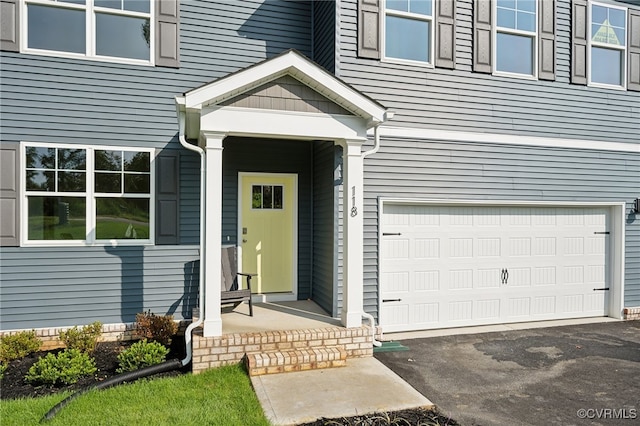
(516, 36)
(607, 44)
(88, 194)
(408, 29)
(106, 29)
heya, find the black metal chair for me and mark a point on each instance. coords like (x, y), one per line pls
(232, 291)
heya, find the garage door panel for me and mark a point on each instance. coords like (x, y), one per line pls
(543, 306)
(488, 278)
(544, 276)
(426, 314)
(487, 309)
(395, 282)
(427, 281)
(454, 258)
(460, 279)
(519, 307)
(545, 246)
(426, 248)
(396, 249)
(488, 247)
(519, 277)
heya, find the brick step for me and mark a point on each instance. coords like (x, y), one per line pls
(301, 359)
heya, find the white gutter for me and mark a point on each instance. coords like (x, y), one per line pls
(183, 141)
(376, 142)
(388, 115)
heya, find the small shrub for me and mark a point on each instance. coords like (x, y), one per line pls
(84, 339)
(157, 328)
(141, 354)
(3, 368)
(16, 346)
(66, 367)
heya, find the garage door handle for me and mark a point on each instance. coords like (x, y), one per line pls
(504, 276)
(601, 289)
(387, 234)
(391, 300)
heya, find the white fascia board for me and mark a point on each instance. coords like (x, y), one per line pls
(296, 66)
(507, 139)
(281, 124)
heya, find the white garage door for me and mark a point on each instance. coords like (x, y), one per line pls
(457, 266)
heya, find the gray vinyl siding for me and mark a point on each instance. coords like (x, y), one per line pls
(270, 156)
(324, 30)
(52, 99)
(62, 100)
(482, 103)
(50, 287)
(325, 242)
(427, 169)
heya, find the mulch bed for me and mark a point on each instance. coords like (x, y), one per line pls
(396, 418)
(13, 385)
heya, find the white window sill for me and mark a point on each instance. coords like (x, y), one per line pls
(64, 243)
(515, 75)
(67, 55)
(607, 86)
(421, 64)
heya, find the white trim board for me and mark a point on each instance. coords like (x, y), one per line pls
(617, 230)
(507, 139)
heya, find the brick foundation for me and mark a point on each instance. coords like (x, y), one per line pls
(307, 345)
(631, 313)
(50, 337)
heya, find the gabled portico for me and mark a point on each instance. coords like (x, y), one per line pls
(251, 103)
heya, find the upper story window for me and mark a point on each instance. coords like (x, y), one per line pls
(607, 45)
(106, 29)
(87, 195)
(516, 37)
(408, 30)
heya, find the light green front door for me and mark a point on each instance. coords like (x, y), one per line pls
(267, 221)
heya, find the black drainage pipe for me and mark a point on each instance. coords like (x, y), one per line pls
(171, 365)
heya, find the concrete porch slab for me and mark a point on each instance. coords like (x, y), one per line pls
(364, 386)
(300, 314)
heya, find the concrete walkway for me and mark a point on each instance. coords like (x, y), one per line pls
(364, 386)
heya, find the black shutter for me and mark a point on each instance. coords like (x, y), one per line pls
(167, 33)
(10, 25)
(168, 197)
(445, 23)
(547, 40)
(633, 56)
(369, 29)
(579, 31)
(483, 36)
(9, 199)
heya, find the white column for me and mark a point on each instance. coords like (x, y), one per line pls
(213, 234)
(353, 182)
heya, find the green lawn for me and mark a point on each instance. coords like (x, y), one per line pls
(217, 397)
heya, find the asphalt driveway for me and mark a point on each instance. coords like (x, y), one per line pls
(570, 375)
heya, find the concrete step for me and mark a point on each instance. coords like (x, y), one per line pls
(301, 359)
